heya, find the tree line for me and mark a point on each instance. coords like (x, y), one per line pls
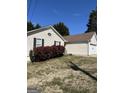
(64, 30)
(60, 27)
(92, 23)
(31, 26)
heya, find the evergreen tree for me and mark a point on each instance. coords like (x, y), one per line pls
(37, 26)
(31, 26)
(92, 24)
(61, 28)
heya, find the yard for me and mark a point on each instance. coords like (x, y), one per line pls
(56, 76)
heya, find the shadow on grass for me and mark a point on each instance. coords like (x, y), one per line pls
(76, 68)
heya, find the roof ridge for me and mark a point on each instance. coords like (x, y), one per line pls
(43, 27)
(79, 34)
(74, 35)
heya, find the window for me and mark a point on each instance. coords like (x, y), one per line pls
(92, 48)
(38, 42)
(56, 43)
(49, 34)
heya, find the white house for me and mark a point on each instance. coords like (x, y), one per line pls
(46, 36)
(82, 44)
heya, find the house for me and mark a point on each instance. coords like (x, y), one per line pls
(81, 44)
(45, 36)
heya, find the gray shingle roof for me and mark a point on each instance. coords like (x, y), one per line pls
(37, 30)
(44, 29)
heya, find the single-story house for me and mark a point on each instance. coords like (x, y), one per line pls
(82, 44)
(45, 36)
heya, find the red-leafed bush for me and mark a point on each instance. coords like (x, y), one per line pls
(47, 52)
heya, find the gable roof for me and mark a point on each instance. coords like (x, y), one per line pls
(85, 37)
(37, 30)
(44, 29)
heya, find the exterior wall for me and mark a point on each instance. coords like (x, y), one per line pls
(93, 39)
(77, 48)
(93, 45)
(92, 50)
(82, 48)
(48, 40)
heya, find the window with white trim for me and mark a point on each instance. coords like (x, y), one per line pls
(57, 43)
(38, 42)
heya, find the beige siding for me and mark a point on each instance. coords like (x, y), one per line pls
(48, 40)
(93, 39)
(93, 45)
(77, 48)
(82, 48)
(92, 50)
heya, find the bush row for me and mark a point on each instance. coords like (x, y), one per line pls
(47, 52)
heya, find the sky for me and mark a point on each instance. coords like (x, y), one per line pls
(74, 13)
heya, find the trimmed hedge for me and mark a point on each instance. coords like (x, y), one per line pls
(47, 52)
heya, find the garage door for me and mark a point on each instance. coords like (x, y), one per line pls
(77, 49)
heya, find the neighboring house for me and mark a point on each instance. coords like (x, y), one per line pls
(81, 44)
(45, 36)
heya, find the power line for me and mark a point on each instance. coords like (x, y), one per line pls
(30, 1)
(35, 6)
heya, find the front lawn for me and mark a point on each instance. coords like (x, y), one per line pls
(56, 76)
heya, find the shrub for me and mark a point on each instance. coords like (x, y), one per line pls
(47, 52)
(31, 55)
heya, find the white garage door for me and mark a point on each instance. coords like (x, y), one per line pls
(77, 48)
